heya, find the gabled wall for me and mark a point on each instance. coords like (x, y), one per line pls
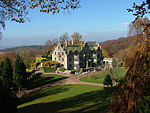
(60, 55)
(86, 58)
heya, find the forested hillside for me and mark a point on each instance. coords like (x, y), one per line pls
(22, 47)
(114, 48)
(118, 48)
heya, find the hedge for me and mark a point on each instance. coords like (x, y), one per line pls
(62, 69)
(49, 69)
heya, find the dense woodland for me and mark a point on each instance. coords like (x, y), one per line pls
(112, 47)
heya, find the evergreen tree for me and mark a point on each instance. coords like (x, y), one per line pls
(19, 73)
(107, 80)
(76, 37)
(7, 77)
(1, 67)
(8, 99)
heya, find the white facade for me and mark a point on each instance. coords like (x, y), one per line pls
(110, 61)
(77, 56)
(59, 55)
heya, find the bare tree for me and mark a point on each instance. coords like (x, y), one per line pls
(48, 44)
(64, 37)
(76, 37)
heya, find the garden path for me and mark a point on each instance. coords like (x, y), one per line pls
(72, 79)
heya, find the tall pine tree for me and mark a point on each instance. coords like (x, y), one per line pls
(8, 100)
(1, 68)
(7, 77)
(19, 73)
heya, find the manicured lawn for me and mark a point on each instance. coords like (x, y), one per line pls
(39, 80)
(99, 77)
(67, 99)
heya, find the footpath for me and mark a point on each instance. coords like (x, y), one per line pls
(72, 79)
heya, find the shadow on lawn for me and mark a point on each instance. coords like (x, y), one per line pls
(37, 81)
(42, 93)
(91, 102)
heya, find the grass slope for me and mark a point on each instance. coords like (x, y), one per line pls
(67, 99)
(40, 80)
(99, 77)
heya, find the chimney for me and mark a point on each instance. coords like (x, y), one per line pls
(66, 42)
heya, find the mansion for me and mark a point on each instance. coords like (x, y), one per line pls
(78, 55)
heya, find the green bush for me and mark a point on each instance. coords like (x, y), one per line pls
(49, 69)
(74, 70)
(62, 69)
(108, 80)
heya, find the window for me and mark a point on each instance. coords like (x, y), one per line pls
(55, 58)
(70, 66)
(70, 59)
(55, 53)
(58, 47)
(62, 53)
(62, 59)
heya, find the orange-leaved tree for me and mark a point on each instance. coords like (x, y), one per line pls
(136, 84)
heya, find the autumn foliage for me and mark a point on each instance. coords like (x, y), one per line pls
(136, 84)
(112, 47)
(11, 55)
(51, 63)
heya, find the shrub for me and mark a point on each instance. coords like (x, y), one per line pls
(48, 69)
(107, 80)
(40, 59)
(62, 69)
(47, 64)
(51, 63)
(32, 66)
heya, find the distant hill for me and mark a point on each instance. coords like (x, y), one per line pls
(22, 47)
(1, 53)
(113, 47)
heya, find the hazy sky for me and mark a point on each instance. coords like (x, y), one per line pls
(96, 20)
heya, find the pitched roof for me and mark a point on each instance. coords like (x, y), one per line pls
(78, 46)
